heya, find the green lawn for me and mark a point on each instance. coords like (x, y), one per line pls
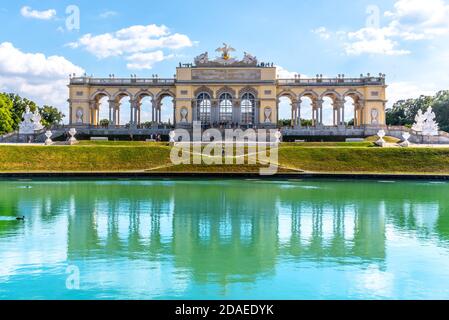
(141, 156)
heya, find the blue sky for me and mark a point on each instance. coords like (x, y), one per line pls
(406, 39)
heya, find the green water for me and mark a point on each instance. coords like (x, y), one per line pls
(224, 239)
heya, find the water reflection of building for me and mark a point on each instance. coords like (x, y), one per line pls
(226, 231)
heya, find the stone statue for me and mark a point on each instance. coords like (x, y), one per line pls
(31, 122)
(374, 117)
(184, 114)
(430, 126)
(268, 112)
(381, 142)
(419, 121)
(79, 115)
(37, 121)
(202, 58)
(425, 123)
(249, 59)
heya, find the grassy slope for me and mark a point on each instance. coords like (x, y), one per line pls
(139, 156)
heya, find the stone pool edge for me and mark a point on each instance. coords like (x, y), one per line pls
(199, 175)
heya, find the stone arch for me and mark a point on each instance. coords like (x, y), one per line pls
(292, 107)
(309, 94)
(203, 89)
(142, 94)
(287, 93)
(357, 104)
(248, 89)
(164, 93)
(122, 93)
(226, 89)
(334, 95)
(158, 110)
(354, 94)
(99, 93)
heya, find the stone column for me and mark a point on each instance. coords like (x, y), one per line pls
(111, 113)
(153, 108)
(174, 113)
(133, 107)
(92, 108)
(362, 112)
(256, 112)
(70, 113)
(138, 115)
(298, 114)
(340, 106)
(319, 111)
(117, 110)
(236, 112)
(214, 112)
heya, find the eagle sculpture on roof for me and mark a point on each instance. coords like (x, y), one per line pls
(225, 51)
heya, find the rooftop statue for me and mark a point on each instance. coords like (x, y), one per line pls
(225, 50)
(249, 59)
(202, 58)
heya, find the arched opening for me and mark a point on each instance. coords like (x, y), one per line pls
(248, 108)
(306, 111)
(350, 107)
(166, 114)
(143, 116)
(329, 111)
(102, 118)
(286, 112)
(353, 108)
(225, 108)
(123, 107)
(204, 108)
(99, 112)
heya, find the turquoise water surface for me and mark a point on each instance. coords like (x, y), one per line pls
(224, 239)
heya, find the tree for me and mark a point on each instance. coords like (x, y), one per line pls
(6, 120)
(104, 123)
(403, 112)
(50, 116)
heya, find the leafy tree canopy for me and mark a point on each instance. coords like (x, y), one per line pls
(403, 112)
(13, 106)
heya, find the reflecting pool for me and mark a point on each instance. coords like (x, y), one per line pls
(224, 239)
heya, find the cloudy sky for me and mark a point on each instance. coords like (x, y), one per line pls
(42, 42)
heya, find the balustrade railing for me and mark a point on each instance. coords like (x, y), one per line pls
(121, 81)
(332, 81)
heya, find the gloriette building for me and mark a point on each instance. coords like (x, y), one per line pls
(226, 91)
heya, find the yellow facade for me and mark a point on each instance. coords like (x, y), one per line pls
(230, 94)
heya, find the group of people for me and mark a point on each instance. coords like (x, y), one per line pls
(156, 138)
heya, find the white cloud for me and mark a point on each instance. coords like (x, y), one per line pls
(372, 41)
(407, 90)
(36, 76)
(322, 33)
(27, 12)
(134, 39)
(108, 14)
(410, 20)
(417, 19)
(284, 73)
(139, 61)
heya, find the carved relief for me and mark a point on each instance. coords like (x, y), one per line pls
(268, 112)
(374, 116)
(184, 113)
(79, 115)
